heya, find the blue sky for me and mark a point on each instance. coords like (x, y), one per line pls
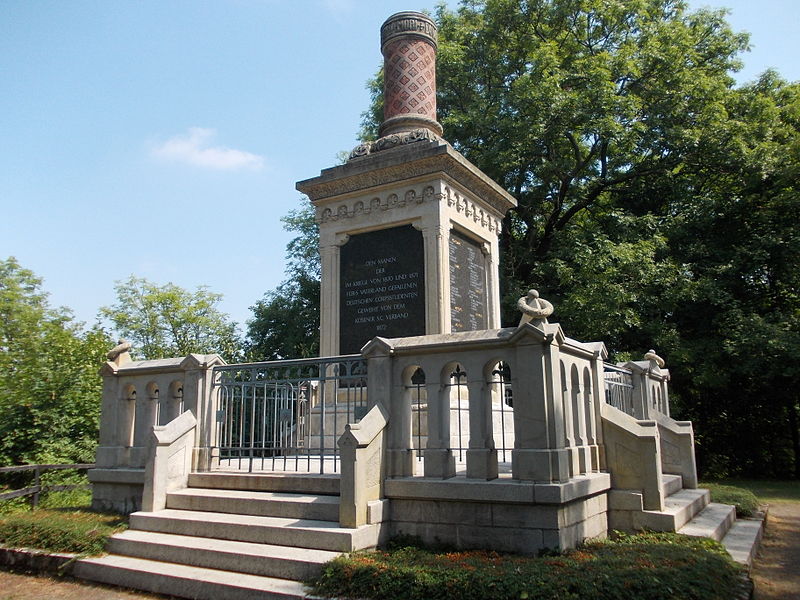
(163, 138)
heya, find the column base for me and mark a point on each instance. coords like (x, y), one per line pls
(546, 466)
(439, 464)
(482, 463)
(400, 463)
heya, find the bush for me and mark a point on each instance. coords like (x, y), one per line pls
(744, 500)
(653, 566)
(78, 531)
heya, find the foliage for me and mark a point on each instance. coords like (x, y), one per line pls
(649, 566)
(285, 322)
(167, 320)
(657, 202)
(66, 530)
(49, 383)
(744, 500)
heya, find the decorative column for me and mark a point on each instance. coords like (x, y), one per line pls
(408, 45)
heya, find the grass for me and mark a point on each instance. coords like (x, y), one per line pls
(62, 523)
(768, 490)
(743, 499)
(652, 566)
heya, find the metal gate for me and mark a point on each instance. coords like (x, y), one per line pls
(287, 415)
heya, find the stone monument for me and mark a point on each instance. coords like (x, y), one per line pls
(408, 226)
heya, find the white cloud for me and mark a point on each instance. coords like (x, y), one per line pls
(193, 148)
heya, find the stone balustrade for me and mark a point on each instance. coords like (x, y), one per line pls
(555, 386)
(141, 395)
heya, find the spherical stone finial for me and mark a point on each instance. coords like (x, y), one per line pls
(408, 44)
(534, 308)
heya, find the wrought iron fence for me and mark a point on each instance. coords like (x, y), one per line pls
(619, 388)
(287, 415)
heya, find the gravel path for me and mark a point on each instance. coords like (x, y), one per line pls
(776, 570)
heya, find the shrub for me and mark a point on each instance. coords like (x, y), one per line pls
(648, 567)
(744, 500)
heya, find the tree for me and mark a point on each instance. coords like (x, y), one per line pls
(285, 322)
(49, 383)
(167, 320)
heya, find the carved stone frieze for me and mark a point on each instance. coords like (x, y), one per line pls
(435, 156)
(351, 209)
(471, 210)
(455, 200)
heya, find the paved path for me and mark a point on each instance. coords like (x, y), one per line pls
(776, 570)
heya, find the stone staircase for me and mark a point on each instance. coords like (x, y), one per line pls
(690, 512)
(232, 535)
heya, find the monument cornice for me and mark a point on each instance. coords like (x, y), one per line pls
(401, 164)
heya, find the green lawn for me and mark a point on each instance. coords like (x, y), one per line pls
(768, 490)
(63, 523)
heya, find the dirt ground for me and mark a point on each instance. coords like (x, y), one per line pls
(20, 586)
(776, 571)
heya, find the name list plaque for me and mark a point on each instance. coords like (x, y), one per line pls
(467, 284)
(382, 287)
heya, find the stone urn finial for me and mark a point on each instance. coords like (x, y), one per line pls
(534, 309)
(120, 354)
(654, 358)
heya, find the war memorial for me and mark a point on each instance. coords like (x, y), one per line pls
(422, 416)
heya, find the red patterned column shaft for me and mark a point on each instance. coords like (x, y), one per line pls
(408, 44)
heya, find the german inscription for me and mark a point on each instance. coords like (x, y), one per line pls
(467, 284)
(382, 289)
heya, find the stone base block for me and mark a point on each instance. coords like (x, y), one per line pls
(505, 527)
(482, 463)
(440, 464)
(540, 465)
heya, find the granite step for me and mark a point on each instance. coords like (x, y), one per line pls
(185, 581)
(671, 484)
(292, 483)
(265, 504)
(301, 533)
(267, 560)
(743, 539)
(679, 509)
(713, 522)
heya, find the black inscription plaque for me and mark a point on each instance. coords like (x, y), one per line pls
(382, 290)
(467, 284)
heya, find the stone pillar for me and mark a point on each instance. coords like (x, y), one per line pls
(439, 459)
(539, 453)
(329, 296)
(481, 454)
(437, 310)
(408, 45)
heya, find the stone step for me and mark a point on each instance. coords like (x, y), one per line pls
(300, 533)
(264, 504)
(185, 581)
(266, 560)
(679, 508)
(713, 522)
(743, 539)
(671, 484)
(293, 483)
